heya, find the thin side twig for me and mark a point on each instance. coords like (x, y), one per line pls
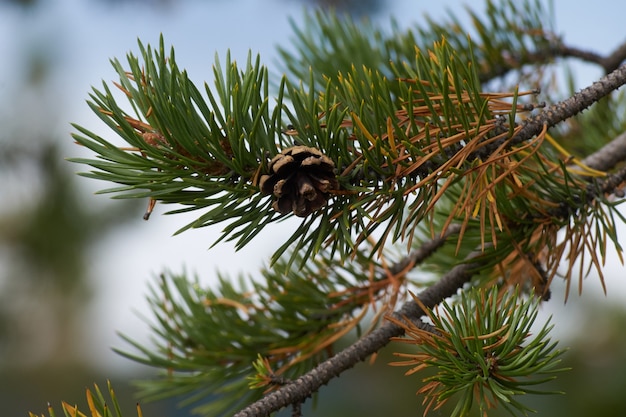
(609, 62)
(615, 59)
(420, 254)
(559, 50)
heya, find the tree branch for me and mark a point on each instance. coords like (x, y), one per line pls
(563, 110)
(549, 117)
(609, 155)
(571, 106)
(565, 51)
(614, 60)
(613, 181)
(423, 252)
(303, 387)
(609, 63)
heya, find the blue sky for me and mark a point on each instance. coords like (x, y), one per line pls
(81, 36)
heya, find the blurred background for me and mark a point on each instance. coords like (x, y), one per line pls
(75, 268)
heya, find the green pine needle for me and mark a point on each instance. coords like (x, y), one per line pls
(483, 351)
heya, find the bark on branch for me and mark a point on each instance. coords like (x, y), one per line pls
(609, 155)
(571, 106)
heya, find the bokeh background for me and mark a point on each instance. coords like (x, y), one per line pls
(75, 267)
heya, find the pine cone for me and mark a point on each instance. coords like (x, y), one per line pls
(301, 179)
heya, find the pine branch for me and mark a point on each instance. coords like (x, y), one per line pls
(613, 181)
(558, 112)
(556, 49)
(303, 387)
(197, 329)
(424, 251)
(609, 62)
(615, 59)
(609, 155)
(567, 51)
(511, 35)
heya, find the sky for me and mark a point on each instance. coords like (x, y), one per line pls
(88, 33)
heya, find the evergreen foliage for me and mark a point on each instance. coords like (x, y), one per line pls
(97, 404)
(476, 361)
(434, 176)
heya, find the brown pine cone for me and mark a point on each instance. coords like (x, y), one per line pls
(301, 179)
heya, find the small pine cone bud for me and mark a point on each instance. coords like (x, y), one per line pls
(301, 179)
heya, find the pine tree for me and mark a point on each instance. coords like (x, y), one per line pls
(442, 183)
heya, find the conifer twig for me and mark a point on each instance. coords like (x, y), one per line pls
(608, 62)
(424, 251)
(304, 386)
(563, 110)
(573, 105)
(609, 155)
(613, 181)
(615, 59)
